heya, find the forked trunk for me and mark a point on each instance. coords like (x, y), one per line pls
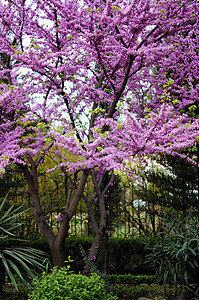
(56, 243)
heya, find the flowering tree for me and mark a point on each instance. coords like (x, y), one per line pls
(102, 80)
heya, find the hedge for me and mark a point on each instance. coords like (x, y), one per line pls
(130, 279)
(129, 293)
(125, 255)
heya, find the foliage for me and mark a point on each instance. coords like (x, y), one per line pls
(133, 292)
(120, 260)
(175, 252)
(14, 183)
(103, 80)
(63, 284)
(19, 260)
(161, 182)
(97, 80)
(130, 279)
(11, 294)
(89, 265)
(175, 187)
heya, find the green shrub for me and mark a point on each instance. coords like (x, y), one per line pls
(133, 292)
(63, 284)
(11, 294)
(175, 255)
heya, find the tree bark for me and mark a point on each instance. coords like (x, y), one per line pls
(56, 243)
(99, 230)
(96, 244)
(58, 253)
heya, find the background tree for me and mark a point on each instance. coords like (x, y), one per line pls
(179, 187)
(164, 181)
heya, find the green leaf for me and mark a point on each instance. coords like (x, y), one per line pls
(8, 271)
(20, 261)
(192, 251)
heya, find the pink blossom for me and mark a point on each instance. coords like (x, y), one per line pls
(59, 218)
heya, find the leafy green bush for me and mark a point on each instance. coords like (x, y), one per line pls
(63, 284)
(174, 255)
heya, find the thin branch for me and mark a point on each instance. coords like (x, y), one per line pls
(129, 44)
(38, 160)
(71, 117)
(121, 39)
(147, 36)
(91, 214)
(138, 69)
(118, 94)
(103, 67)
(108, 185)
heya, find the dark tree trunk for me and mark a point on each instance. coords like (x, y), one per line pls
(96, 244)
(56, 243)
(99, 230)
(197, 204)
(106, 263)
(58, 254)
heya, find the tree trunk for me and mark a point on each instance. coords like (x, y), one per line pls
(197, 203)
(94, 249)
(56, 243)
(103, 211)
(58, 254)
(96, 244)
(106, 262)
(99, 231)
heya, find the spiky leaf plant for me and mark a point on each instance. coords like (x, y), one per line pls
(174, 255)
(19, 261)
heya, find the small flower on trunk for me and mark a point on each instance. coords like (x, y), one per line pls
(59, 218)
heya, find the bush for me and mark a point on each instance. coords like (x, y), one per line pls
(133, 292)
(63, 284)
(174, 255)
(125, 255)
(129, 279)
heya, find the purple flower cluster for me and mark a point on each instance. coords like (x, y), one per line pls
(59, 218)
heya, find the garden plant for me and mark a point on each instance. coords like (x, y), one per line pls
(18, 262)
(64, 284)
(174, 254)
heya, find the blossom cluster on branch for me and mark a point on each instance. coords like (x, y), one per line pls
(102, 80)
